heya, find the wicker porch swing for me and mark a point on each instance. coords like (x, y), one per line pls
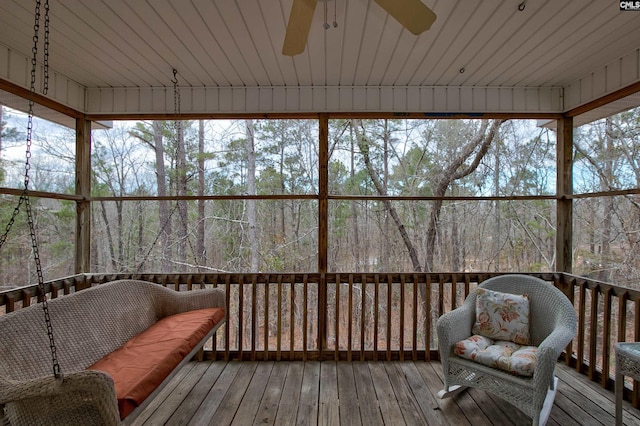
(103, 335)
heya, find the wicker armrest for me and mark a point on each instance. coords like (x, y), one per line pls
(177, 302)
(96, 382)
(455, 326)
(550, 349)
(95, 387)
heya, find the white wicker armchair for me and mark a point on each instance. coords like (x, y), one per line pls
(553, 325)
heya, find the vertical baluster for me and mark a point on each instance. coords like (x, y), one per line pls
(635, 395)
(622, 316)
(401, 343)
(427, 318)
(26, 298)
(254, 313)
(214, 340)
(336, 354)
(292, 319)
(267, 307)
(240, 315)
(10, 304)
(363, 316)
(227, 329)
(606, 339)
(389, 310)
(350, 319)
(376, 301)
(305, 314)
(454, 291)
(593, 335)
(414, 337)
(582, 314)
(279, 333)
(440, 296)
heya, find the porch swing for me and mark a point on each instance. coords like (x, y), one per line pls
(112, 347)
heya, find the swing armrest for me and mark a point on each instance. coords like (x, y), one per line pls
(80, 389)
(176, 302)
(91, 381)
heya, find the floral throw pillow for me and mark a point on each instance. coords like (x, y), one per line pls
(502, 316)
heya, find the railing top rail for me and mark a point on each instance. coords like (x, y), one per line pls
(221, 278)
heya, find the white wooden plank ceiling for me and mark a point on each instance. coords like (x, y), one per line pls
(237, 44)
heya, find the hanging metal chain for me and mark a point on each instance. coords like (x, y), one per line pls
(45, 85)
(32, 226)
(176, 96)
(24, 198)
(179, 131)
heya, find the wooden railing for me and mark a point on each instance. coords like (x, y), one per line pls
(370, 316)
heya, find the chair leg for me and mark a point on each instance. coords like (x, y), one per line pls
(453, 390)
(547, 405)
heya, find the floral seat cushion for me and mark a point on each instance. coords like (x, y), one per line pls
(504, 355)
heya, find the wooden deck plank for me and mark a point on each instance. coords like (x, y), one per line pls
(406, 401)
(251, 398)
(228, 408)
(467, 405)
(275, 400)
(576, 412)
(271, 400)
(347, 395)
(307, 414)
(367, 399)
(216, 396)
(585, 393)
(579, 401)
(184, 375)
(425, 399)
(391, 413)
(192, 402)
(493, 409)
(368, 393)
(328, 407)
(449, 406)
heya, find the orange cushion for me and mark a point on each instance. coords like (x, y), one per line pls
(139, 366)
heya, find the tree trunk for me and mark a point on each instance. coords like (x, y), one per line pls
(107, 228)
(354, 210)
(163, 205)
(386, 252)
(364, 150)
(251, 190)
(181, 168)
(497, 226)
(608, 202)
(479, 145)
(455, 243)
(200, 248)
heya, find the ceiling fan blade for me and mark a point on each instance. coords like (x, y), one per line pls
(412, 14)
(298, 26)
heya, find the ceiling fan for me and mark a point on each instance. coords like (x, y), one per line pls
(412, 14)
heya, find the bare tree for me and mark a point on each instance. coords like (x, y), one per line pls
(251, 190)
(457, 169)
(200, 248)
(153, 138)
(363, 145)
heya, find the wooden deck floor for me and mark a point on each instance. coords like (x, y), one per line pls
(355, 393)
